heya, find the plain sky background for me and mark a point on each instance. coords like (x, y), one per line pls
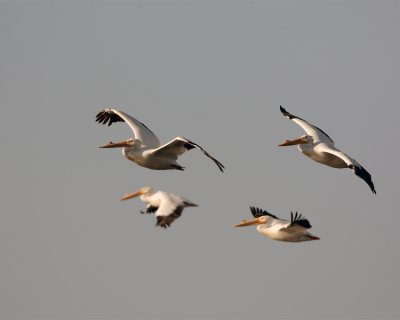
(214, 72)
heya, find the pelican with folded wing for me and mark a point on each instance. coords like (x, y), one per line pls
(274, 228)
(167, 206)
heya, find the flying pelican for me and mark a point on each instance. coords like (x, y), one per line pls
(272, 227)
(318, 146)
(167, 206)
(145, 148)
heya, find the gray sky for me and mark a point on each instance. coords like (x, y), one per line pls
(216, 73)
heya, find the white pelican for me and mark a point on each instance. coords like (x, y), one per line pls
(145, 148)
(272, 227)
(167, 206)
(318, 146)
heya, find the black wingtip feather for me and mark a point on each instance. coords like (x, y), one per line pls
(258, 212)
(363, 174)
(166, 221)
(286, 114)
(299, 220)
(108, 116)
(190, 145)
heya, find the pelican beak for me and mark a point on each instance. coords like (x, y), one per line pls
(246, 223)
(131, 195)
(301, 140)
(120, 144)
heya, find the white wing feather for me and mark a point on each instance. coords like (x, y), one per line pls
(172, 149)
(313, 131)
(140, 130)
(168, 203)
(341, 156)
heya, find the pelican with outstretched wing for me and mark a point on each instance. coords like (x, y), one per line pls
(272, 227)
(167, 206)
(145, 148)
(318, 146)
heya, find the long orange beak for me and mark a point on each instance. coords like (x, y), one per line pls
(120, 144)
(301, 140)
(131, 195)
(246, 223)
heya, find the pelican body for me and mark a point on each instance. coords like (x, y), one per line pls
(318, 146)
(167, 206)
(145, 148)
(274, 228)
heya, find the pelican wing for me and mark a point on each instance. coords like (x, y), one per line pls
(363, 174)
(171, 207)
(178, 146)
(299, 220)
(165, 221)
(277, 225)
(296, 225)
(311, 130)
(358, 169)
(258, 212)
(140, 130)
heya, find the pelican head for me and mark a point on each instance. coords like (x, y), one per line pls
(258, 220)
(145, 191)
(302, 140)
(121, 144)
